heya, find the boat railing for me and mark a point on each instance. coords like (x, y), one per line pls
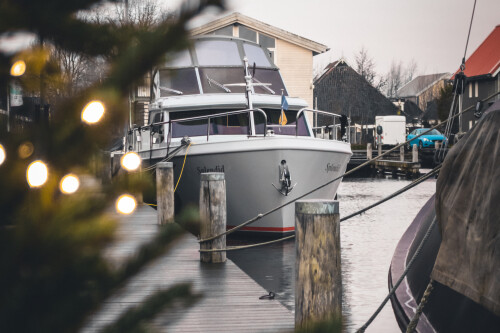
(209, 118)
(330, 129)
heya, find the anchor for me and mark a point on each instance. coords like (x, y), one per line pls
(285, 180)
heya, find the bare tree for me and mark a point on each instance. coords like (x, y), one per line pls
(410, 71)
(365, 66)
(394, 79)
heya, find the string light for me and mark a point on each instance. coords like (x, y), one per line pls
(130, 161)
(2, 154)
(37, 174)
(125, 204)
(93, 112)
(69, 184)
(18, 68)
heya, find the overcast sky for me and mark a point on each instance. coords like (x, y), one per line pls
(433, 32)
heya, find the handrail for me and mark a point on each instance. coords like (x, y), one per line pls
(209, 117)
(301, 111)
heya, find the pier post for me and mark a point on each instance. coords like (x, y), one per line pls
(414, 154)
(318, 281)
(165, 192)
(369, 151)
(213, 215)
(379, 149)
(437, 145)
(402, 153)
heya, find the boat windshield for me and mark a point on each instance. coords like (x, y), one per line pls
(223, 125)
(281, 124)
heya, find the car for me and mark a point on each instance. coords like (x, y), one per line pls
(427, 140)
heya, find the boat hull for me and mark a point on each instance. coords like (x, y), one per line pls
(251, 169)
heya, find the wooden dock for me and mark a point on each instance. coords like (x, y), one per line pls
(230, 301)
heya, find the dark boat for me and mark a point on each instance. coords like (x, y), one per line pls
(462, 253)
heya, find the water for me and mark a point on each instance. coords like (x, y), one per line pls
(367, 241)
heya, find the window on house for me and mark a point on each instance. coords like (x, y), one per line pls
(266, 41)
(470, 90)
(247, 34)
(226, 31)
(477, 89)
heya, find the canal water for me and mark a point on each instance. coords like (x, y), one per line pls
(367, 244)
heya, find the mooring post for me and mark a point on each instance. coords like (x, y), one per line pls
(318, 281)
(379, 149)
(437, 145)
(369, 151)
(414, 154)
(402, 153)
(165, 192)
(213, 216)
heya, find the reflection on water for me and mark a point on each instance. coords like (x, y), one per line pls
(368, 242)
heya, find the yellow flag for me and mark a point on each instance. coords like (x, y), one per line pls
(282, 121)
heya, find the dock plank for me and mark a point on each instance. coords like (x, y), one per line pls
(230, 298)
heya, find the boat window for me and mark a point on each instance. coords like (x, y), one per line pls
(179, 59)
(217, 53)
(279, 124)
(221, 76)
(255, 54)
(173, 81)
(219, 125)
(272, 76)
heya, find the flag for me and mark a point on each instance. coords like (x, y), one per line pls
(284, 103)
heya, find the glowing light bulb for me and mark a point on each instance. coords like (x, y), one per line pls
(18, 68)
(37, 174)
(2, 154)
(131, 161)
(125, 204)
(69, 184)
(92, 112)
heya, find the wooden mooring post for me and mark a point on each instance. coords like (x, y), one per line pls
(318, 281)
(402, 153)
(213, 216)
(165, 192)
(369, 151)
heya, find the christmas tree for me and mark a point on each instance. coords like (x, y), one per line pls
(52, 270)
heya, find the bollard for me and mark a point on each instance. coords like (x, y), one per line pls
(369, 151)
(414, 152)
(318, 281)
(402, 153)
(379, 149)
(165, 192)
(437, 145)
(213, 215)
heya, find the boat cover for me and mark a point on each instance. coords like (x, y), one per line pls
(468, 211)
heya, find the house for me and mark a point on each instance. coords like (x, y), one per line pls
(482, 69)
(418, 96)
(292, 53)
(340, 89)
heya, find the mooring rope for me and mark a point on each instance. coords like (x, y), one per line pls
(401, 278)
(183, 164)
(259, 216)
(414, 321)
(404, 189)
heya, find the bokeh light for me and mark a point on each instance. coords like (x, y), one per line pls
(18, 68)
(69, 184)
(2, 154)
(125, 204)
(25, 150)
(93, 112)
(130, 161)
(37, 174)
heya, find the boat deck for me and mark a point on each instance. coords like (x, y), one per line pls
(230, 301)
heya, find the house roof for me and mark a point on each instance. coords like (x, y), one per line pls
(267, 29)
(486, 58)
(340, 89)
(420, 84)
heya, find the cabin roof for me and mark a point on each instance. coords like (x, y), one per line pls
(238, 18)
